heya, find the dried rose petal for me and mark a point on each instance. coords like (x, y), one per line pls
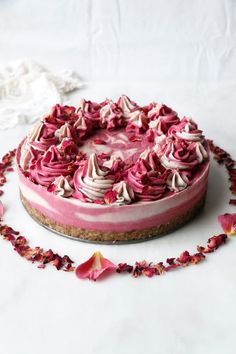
(99, 142)
(213, 243)
(149, 271)
(232, 201)
(134, 138)
(99, 201)
(110, 197)
(124, 267)
(228, 223)
(184, 258)
(94, 267)
(197, 257)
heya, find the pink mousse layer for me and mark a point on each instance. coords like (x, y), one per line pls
(137, 216)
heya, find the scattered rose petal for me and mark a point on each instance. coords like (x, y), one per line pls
(94, 267)
(213, 243)
(228, 223)
(232, 202)
(99, 142)
(124, 267)
(134, 138)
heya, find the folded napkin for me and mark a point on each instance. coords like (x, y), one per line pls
(28, 91)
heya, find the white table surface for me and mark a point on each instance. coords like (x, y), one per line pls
(177, 52)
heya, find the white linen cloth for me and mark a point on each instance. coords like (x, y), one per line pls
(28, 91)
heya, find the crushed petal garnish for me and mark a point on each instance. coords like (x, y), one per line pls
(224, 158)
(36, 254)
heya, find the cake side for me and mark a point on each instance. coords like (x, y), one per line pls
(115, 236)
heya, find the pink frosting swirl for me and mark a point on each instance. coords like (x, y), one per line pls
(180, 154)
(92, 182)
(28, 156)
(146, 183)
(83, 126)
(59, 116)
(91, 111)
(40, 138)
(187, 129)
(162, 118)
(137, 122)
(111, 116)
(52, 164)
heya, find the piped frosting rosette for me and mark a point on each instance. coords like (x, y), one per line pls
(127, 106)
(181, 154)
(111, 115)
(90, 111)
(147, 183)
(52, 164)
(187, 129)
(59, 116)
(40, 137)
(161, 118)
(91, 182)
(62, 186)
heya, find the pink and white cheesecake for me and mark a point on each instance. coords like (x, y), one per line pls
(113, 172)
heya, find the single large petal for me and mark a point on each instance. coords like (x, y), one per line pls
(228, 223)
(94, 267)
(1, 210)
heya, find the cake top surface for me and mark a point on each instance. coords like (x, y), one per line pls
(113, 152)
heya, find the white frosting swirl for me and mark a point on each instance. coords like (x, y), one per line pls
(125, 193)
(25, 156)
(175, 182)
(201, 152)
(138, 119)
(63, 187)
(115, 158)
(94, 184)
(80, 123)
(35, 132)
(126, 105)
(188, 130)
(106, 111)
(64, 132)
(155, 109)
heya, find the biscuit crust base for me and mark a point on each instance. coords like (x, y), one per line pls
(112, 237)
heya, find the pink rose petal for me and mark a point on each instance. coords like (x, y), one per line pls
(94, 267)
(1, 210)
(228, 223)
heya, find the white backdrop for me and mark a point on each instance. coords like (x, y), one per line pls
(184, 54)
